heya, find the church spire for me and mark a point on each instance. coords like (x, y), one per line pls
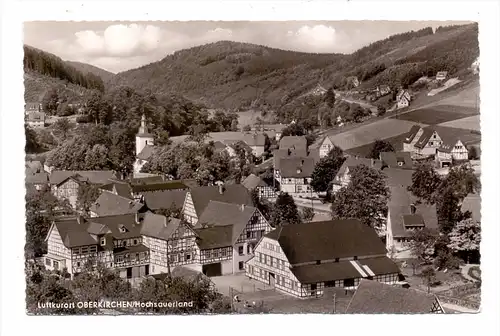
(143, 129)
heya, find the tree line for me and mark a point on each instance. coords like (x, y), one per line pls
(53, 66)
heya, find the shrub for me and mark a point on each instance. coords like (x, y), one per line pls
(83, 119)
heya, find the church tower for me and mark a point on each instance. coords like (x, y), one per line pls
(143, 137)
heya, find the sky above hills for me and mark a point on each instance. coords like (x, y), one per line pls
(119, 46)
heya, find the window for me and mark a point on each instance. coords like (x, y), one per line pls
(330, 284)
(93, 249)
(123, 229)
(336, 259)
(119, 259)
(240, 265)
(85, 249)
(355, 257)
(215, 253)
(47, 262)
(249, 249)
(266, 258)
(77, 264)
(249, 234)
(188, 257)
(124, 243)
(431, 143)
(224, 252)
(240, 250)
(260, 258)
(135, 241)
(318, 262)
(56, 265)
(103, 241)
(348, 282)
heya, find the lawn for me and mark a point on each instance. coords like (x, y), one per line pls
(470, 123)
(437, 114)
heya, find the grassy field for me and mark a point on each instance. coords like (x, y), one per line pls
(250, 118)
(437, 114)
(469, 123)
(367, 134)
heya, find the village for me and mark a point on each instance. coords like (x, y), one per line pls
(315, 258)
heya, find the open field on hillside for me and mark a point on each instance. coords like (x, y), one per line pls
(250, 118)
(467, 136)
(366, 134)
(437, 114)
(470, 123)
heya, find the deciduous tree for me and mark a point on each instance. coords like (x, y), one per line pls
(465, 236)
(285, 211)
(307, 214)
(380, 146)
(326, 169)
(364, 198)
(422, 244)
(425, 183)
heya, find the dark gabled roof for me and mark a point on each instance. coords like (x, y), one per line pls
(114, 223)
(256, 139)
(400, 208)
(411, 134)
(147, 180)
(331, 271)
(166, 185)
(158, 226)
(425, 137)
(401, 160)
(398, 177)
(293, 142)
(472, 203)
(296, 167)
(353, 161)
(287, 153)
(131, 249)
(219, 145)
(231, 193)
(214, 237)
(37, 178)
(449, 141)
(327, 240)
(120, 188)
(253, 181)
(92, 176)
(413, 220)
(165, 199)
(226, 214)
(146, 152)
(109, 204)
(372, 297)
(74, 233)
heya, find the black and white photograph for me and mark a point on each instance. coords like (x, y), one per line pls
(249, 167)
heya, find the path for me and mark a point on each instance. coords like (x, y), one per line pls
(465, 271)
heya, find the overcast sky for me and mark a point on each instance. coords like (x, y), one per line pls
(118, 46)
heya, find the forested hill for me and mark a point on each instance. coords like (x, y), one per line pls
(85, 68)
(50, 65)
(240, 75)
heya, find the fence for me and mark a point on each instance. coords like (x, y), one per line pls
(458, 291)
(460, 302)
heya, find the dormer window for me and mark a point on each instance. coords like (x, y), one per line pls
(103, 241)
(123, 229)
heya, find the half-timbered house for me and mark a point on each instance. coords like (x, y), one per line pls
(451, 150)
(304, 259)
(227, 236)
(295, 173)
(171, 241)
(343, 177)
(265, 189)
(198, 198)
(372, 297)
(422, 142)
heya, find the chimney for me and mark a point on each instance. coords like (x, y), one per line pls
(221, 189)
(243, 207)
(413, 209)
(138, 218)
(373, 162)
(79, 219)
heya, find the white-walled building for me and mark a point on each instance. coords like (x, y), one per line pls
(144, 145)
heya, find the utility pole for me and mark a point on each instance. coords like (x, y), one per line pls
(334, 303)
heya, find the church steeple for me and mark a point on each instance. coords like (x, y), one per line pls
(144, 128)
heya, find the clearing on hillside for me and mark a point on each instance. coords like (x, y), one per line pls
(437, 114)
(470, 123)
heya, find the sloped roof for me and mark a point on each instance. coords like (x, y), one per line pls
(352, 162)
(256, 139)
(449, 141)
(147, 180)
(425, 137)
(296, 167)
(170, 185)
(93, 176)
(411, 134)
(214, 237)
(109, 204)
(158, 226)
(164, 199)
(400, 212)
(231, 193)
(398, 177)
(373, 297)
(36, 116)
(293, 142)
(287, 153)
(34, 166)
(121, 188)
(219, 145)
(253, 181)
(327, 240)
(146, 152)
(226, 214)
(114, 223)
(37, 178)
(393, 160)
(331, 271)
(73, 233)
